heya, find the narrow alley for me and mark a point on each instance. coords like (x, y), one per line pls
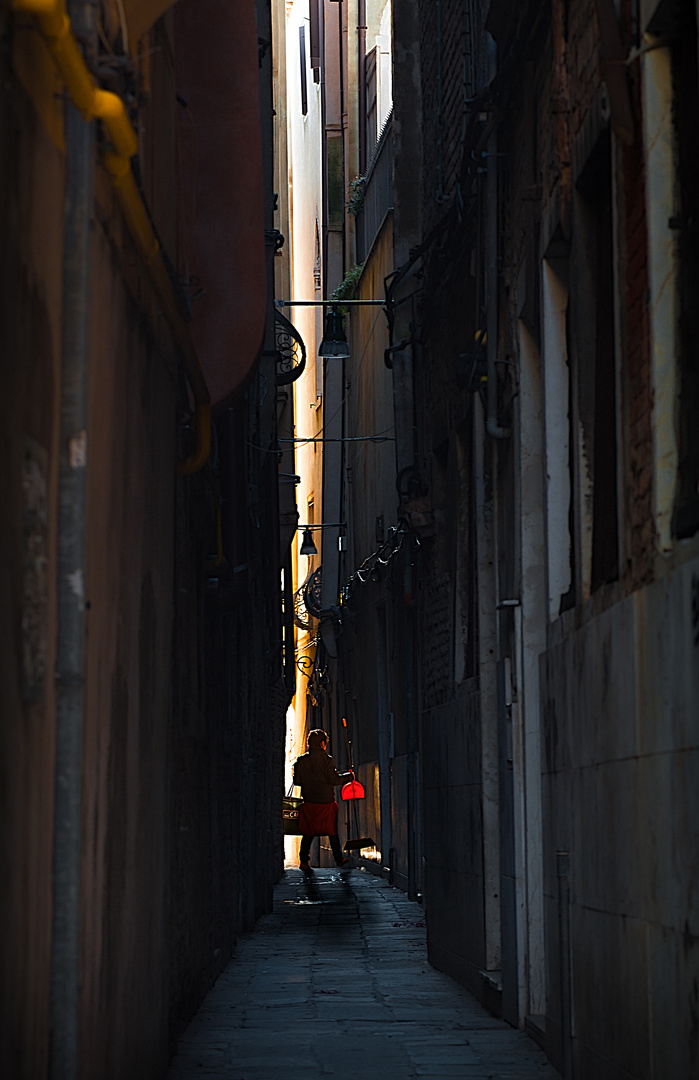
(335, 982)
(350, 366)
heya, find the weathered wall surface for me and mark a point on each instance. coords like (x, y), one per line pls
(542, 156)
(372, 663)
(621, 730)
(128, 717)
(575, 372)
(182, 729)
(31, 237)
(564, 155)
(453, 70)
(451, 776)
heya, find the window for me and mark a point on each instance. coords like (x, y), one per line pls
(302, 57)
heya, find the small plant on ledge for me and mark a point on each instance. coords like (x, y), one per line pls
(345, 290)
(356, 195)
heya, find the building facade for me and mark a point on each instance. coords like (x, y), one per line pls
(145, 650)
(515, 611)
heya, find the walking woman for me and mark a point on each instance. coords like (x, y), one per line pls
(316, 775)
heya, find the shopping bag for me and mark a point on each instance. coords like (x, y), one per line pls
(290, 815)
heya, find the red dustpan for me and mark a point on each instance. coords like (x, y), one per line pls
(351, 792)
(355, 790)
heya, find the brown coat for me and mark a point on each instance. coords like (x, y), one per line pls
(316, 775)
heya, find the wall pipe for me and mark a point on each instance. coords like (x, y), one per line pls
(563, 875)
(491, 247)
(94, 103)
(323, 147)
(343, 124)
(70, 577)
(361, 83)
(410, 708)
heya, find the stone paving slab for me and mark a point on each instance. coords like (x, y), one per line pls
(335, 983)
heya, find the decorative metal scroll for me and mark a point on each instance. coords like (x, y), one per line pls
(302, 617)
(312, 593)
(291, 351)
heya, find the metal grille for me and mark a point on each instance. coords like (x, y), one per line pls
(378, 191)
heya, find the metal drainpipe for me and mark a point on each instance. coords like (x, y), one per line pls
(563, 873)
(491, 246)
(410, 712)
(323, 160)
(70, 628)
(361, 83)
(343, 128)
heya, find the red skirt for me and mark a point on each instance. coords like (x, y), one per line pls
(318, 819)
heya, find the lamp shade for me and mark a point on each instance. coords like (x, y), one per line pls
(353, 790)
(334, 341)
(307, 545)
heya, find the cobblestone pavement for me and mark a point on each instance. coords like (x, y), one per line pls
(335, 983)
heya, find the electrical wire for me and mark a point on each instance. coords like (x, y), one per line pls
(354, 438)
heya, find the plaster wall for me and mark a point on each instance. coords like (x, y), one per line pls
(453, 826)
(371, 466)
(373, 661)
(128, 699)
(303, 253)
(621, 738)
(167, 881)
(31, 237)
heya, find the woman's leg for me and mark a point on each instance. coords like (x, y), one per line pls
(305, 849)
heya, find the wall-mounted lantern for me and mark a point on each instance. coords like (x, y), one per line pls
(307, 545)
(334, 343)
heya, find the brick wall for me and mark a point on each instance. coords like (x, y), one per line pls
(441, 44)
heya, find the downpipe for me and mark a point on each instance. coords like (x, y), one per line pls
(361, 84)
(70, 586)
(408, 595)
(563, 874)
(492, 426)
